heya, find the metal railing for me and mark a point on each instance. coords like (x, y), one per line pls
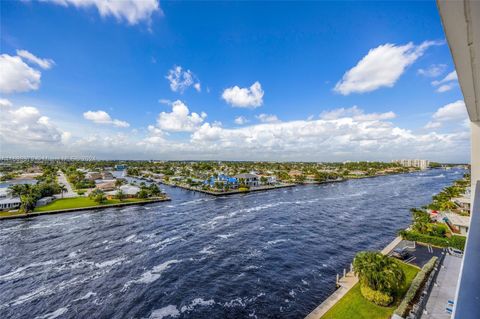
(467, 301)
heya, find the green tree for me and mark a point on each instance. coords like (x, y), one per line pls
(28, 202)
(378, 272)
(62, 189)
(97, 195)
(120, 195)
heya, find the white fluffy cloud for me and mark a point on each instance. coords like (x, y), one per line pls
(357, 136)
(240, 120)
(452, 112)
(17, 76)
(433, 70)
(30, 57)
(102, 117)
(251, 97)
(27, 126)
(357, 114)
(131, 11)
(447, 83)
(267, 118)
(181, 79)
(381, 67)
(180, 119)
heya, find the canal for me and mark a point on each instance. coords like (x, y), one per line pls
(270, 254)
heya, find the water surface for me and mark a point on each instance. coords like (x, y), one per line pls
(267, 254)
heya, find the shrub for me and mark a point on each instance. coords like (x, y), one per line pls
(417, 284)
(454, 241)
(375, 296)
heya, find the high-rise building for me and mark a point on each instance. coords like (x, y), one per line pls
(420, 163)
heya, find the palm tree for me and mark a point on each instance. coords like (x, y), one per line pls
(378, 272)
(62, 188)
(120, 195)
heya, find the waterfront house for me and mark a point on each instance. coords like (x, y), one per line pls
(129, 191)
(44, 201)
(222, 179)
(463, 203)
(10, 203)
(460, 223)
(248, 179)
(7, 201)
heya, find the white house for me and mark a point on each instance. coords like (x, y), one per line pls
(248, 179)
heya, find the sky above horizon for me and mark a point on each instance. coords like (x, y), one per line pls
(310, 81)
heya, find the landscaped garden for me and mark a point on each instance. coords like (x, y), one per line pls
(355, 305)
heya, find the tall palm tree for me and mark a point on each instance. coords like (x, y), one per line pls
(378, 272)
(62, 188)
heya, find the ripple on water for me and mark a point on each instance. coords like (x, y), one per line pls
(205, 257)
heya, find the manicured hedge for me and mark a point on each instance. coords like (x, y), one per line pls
(375, 296)
(416, 285)
(454, 241)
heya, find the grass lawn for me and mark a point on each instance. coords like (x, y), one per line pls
(353, 305)
(3, 214)
(78, 202)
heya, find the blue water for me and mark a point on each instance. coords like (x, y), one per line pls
(266, 254)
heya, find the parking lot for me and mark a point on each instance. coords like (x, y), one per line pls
(418, 255)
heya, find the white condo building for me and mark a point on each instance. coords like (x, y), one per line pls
(420, 163)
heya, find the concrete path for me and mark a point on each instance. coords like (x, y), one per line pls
(62, 180)
(444, 290)
(346, 283)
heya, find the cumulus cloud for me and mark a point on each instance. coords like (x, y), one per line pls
(251, 97)
(26, 126)
(267, 118)
(447, 83)
(43, 63)
(180, 119)
(381, 67)
(181, 79)
(240, 120)
(17, 76)
(356, 113)
(452, 112)
(433, 70)
(339, 137)
(131, 11)
(102, 117)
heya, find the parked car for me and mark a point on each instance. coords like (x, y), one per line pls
(455, 252)
(400, 253)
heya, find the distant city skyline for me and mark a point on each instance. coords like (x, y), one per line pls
(229, 81)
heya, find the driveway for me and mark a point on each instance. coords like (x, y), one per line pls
(62, 180)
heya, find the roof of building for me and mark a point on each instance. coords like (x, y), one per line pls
(126, 189)
(10, 200)
(463, 200)
(458, 220)
(246, 175)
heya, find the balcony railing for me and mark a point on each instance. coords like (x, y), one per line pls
(467, 302)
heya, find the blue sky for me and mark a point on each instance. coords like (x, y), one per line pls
(321, 81)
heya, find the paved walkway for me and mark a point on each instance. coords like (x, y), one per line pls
(346, 283)
(63, 181)
(444, 290)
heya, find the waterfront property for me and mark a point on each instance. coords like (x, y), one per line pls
(354, 305)
(272, 236)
